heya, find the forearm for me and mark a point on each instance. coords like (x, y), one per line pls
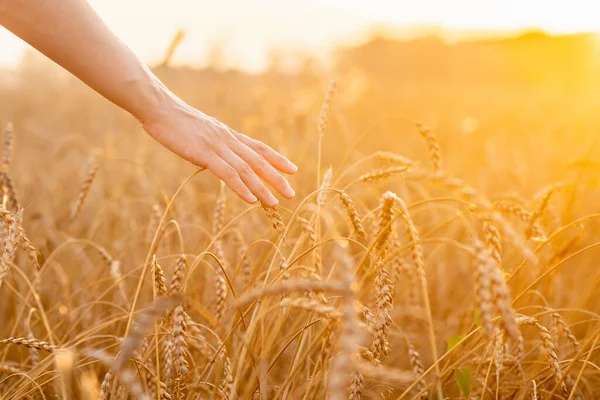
(70, 33)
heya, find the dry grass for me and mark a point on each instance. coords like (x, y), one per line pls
(389, 275)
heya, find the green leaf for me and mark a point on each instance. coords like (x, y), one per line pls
(454, 340)
(477, 317)
(463, 380)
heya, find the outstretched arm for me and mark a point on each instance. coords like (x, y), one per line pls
(70, 33)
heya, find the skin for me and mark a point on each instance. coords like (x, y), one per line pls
(71, 34)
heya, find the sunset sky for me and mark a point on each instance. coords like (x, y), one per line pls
(247, 30)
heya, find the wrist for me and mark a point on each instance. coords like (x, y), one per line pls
(154, 101)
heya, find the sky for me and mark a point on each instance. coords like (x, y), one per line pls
(247, 31)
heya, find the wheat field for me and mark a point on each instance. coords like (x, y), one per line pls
(443, 242)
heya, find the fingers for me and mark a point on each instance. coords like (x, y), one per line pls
(248, 176)
(263, 169)
(231, 177)
(274, 158)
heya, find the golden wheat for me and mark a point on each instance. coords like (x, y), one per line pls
(86, 185)
(384, 264)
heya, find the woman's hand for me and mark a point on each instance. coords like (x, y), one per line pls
(72, 34)
(241, 162)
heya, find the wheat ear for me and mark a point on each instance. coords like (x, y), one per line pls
(30, 343)
(84, 190)
(160, 283)
(10, 246)
(180, 349)
(549, 349)
(353, 215)
(274, 217)
(433, 145)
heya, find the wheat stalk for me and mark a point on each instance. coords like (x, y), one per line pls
(275, 218)
(483, 286)
(352, 213)
(178, 279)
(244, 259)
(136, 336)
(285, 287)
(30, 343)
(492, 237)
(325, 184)
(356, 386)
(563, 328)
(221, 293)
(311, 305)
(180, 349)
(540, 209)
(503, 303)
(167, 354)
(105, 386)
(380, 174)
(323, 123)
(341, 366)
(417, 367)
(10, 195)
(381, 346)
(549, 349)
(326, 107)
(160, 283)
(115, 273)
(401, 267)
(498, 353)
(10, 246)
(8, 145)
(33, 353)
(384, 231)
(311, 236)
(419, 262)
(433, 145)
(226, 385)
(24, 241)
(522, 214)
(84, 190)
(153, 222)
(394, 158)
(219, 213)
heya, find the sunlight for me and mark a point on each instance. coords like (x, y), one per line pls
(249, 31)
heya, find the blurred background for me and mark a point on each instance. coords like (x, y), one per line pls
(246, 34)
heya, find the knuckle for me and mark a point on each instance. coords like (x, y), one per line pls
(281, 181)
(245, 170)
(264, 192)
(209, 142)
(216, 136)
(261, 162)
(230, 173)
(263, 148)
(194, 156)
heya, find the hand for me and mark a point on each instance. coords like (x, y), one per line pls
(235, 158)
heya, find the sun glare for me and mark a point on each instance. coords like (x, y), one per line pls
(249, 31)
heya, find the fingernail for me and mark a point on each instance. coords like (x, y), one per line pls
(272, 200)
(293, 167)
(252, 198)
(289, 192)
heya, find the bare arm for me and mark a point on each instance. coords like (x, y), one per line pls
(70, 33)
